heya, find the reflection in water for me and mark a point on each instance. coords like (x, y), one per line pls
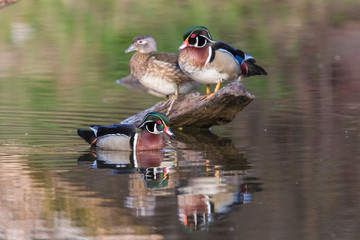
(20, 33)
(202, 198)
(145, 162)
(147, 170)
(205, 199)
(222, 184)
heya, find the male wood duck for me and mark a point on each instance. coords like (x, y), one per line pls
(209, 62)
(158, 72)
(127, 137)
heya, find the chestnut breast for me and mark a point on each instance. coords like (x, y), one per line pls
(148, 141)
(197, 56)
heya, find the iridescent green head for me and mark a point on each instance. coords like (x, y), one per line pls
(156, 123)
(197, 30)
(196, 36)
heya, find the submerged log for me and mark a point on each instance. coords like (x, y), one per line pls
(194, 111)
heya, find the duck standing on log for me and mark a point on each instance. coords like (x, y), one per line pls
(158, 72)
(212, 62)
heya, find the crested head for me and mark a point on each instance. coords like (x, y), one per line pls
(143, 44)
(197, 37)
(155, 116)
(198, 30)
(156, 123)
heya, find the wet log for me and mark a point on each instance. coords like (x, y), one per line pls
(194, 111)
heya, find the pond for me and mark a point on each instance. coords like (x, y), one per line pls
(287, 167)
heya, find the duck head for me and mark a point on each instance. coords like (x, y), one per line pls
(156, 123)
(143, 44)
(197, 36)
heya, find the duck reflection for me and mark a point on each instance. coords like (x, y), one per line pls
(206, 199)
(149, 163)
(219, 183)
(118, 161)
(124, 159)
(209, 178)
(147, 170)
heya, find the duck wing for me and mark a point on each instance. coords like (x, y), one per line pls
(123, 129)
(167, 63)
(90, 136)
(247, 62)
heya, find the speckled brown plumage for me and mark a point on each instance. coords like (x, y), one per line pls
(159, 72)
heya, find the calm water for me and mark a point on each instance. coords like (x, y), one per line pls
(286, 168)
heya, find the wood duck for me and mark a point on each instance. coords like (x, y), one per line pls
(158, 72)
(127, 137)
(209, 62)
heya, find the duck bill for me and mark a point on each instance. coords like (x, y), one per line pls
(185, 44)
(168, 131)
(130, 49)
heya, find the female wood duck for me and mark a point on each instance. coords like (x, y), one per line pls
(209, 62)
(128, 137)
(158, 72)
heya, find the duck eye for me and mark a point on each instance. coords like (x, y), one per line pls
(202, 41)
(140, 41)
(159, 122)
(192, 41)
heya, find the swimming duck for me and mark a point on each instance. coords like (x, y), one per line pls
(128, 137)
(212, 62)
(158, 72)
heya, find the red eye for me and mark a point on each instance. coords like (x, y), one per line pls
(159, 122)
(193, 35)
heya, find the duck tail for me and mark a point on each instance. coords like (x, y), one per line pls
(87, 135)
(250, 68)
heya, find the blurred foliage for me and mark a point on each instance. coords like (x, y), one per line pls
(73, 51)
(82, 42)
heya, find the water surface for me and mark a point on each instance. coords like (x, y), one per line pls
(286, 168)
